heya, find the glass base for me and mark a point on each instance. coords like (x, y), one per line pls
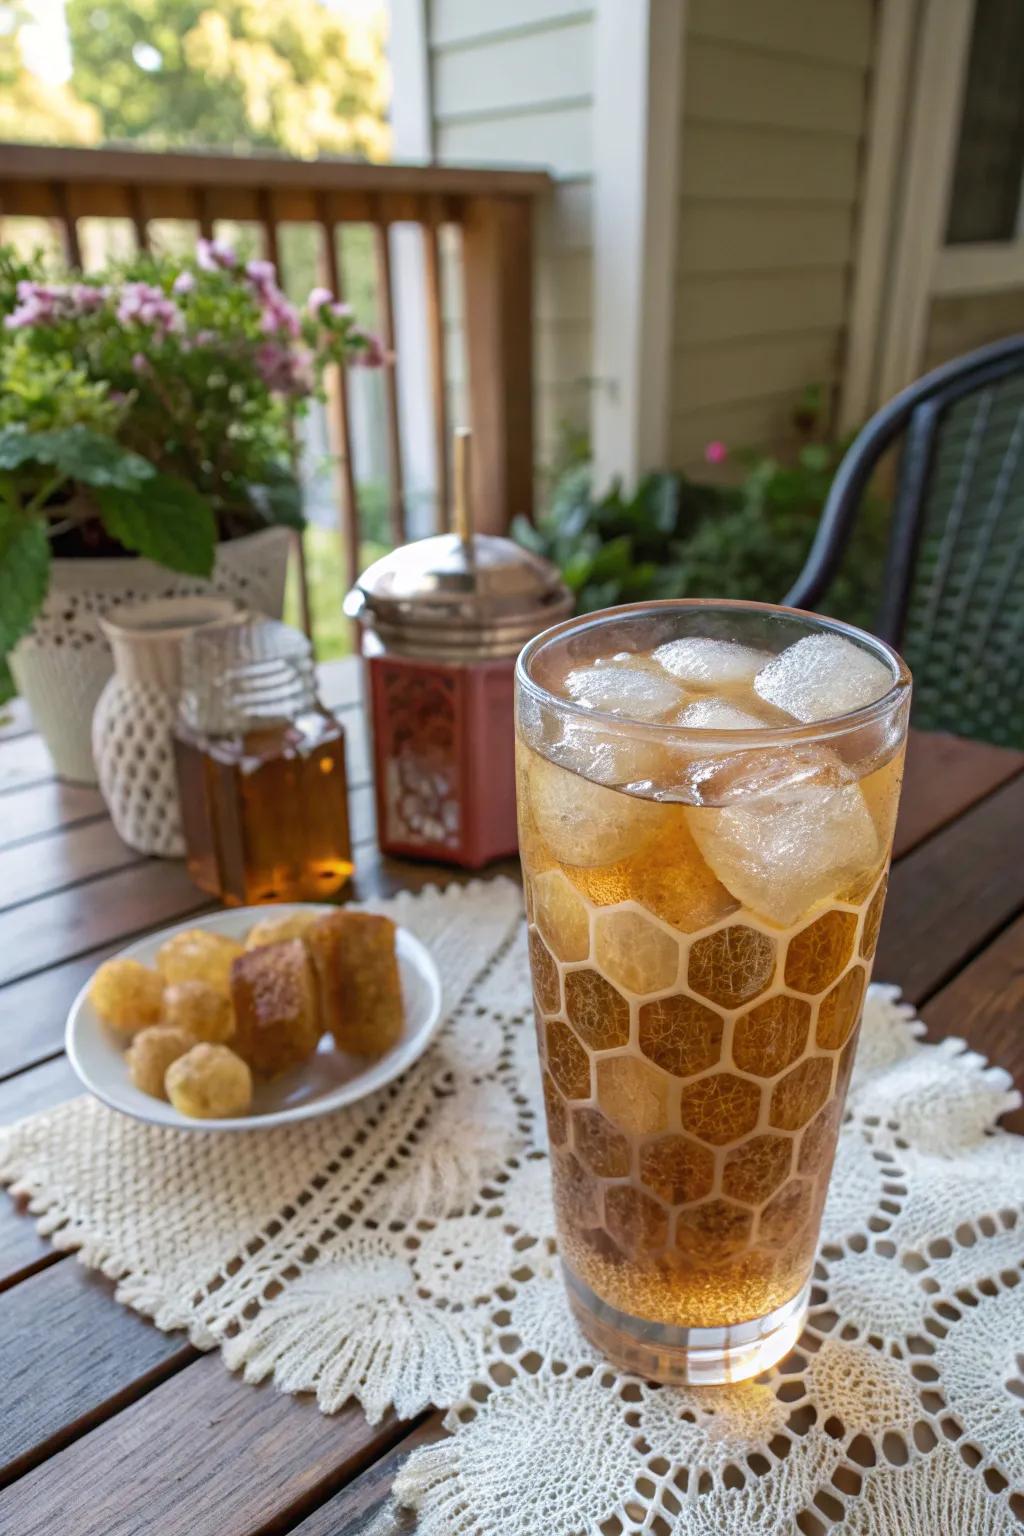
(681, 1357)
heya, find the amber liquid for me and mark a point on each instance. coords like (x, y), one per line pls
(265, 815)
(696, 1056)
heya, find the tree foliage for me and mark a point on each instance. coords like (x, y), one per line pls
(285, 74)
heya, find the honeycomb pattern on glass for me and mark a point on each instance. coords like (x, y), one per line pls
(695, 1062)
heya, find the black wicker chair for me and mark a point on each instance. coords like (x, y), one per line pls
(953, 593)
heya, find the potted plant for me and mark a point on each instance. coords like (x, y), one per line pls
(148, 421)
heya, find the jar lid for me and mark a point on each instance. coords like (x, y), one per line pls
(447, 594)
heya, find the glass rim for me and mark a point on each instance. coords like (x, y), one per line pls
(814, 730)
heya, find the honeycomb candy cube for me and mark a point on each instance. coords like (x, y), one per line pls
(732, 966)
(127, 995)
(197, 955)
(681, 1035)
(209, 1083)
(771, 1036)
(150, 1054)
(719, 1108)
(820, 952)
(201, 1010)
(598, 1013)
(273, 930)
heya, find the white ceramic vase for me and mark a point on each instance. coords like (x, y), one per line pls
(134, 719)
(62, 664)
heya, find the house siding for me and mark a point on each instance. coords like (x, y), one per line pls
(775, 100)
(959, 324)
(512, 84)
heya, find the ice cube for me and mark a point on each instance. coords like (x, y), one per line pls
(822, 676)
(705, 663)
(607, 757)
(781, 854)
(585, 824)
(714, 714)
(638, 693)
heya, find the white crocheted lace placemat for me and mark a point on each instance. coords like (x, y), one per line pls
(401, 1252)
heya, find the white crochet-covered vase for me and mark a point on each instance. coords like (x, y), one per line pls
(62, 664)
(134, 719)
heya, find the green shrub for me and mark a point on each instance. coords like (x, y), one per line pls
(678, 537)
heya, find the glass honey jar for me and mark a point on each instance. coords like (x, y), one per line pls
(261, 768)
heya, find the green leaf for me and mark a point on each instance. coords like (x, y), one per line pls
(613, 560)
(526, 535)
(77, 452)
(24, 573)
(165, 520)
(7, 688)
(576, 571)
(278, 498)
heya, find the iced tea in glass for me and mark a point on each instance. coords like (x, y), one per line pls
(707, 793)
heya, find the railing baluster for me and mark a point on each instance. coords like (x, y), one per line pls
(204, 218)
(140, 223)
(272, 252)
(396, 484)
(438, 386)
(268, 230)
(337, 391)
(68, 225)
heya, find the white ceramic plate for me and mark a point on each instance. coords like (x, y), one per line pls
(330, 1078)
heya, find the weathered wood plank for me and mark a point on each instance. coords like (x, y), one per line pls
(201, 1455)
(97, 1357)
(365, 1507)
(47, 864)
(41, 808)
(58, 927)
(944, 776)
(952, 894)
(23, 761)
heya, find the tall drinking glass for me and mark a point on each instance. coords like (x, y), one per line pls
(707, 794)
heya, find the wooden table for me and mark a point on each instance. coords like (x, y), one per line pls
(111, 1428)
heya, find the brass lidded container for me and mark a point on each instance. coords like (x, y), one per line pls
(443, 621)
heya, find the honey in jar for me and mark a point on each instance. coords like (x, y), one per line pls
(261, 769)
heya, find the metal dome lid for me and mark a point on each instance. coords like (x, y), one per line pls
(459, 593)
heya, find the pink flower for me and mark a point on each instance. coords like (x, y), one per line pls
(283, 369)
(143, 304)
(262, 274)
(372, 353)
(215, 255)
(140, 363)
(184, 282)
(715, 452)
(318, 299)
(48, 303)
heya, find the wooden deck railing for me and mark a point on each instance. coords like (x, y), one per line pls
(492, 211)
